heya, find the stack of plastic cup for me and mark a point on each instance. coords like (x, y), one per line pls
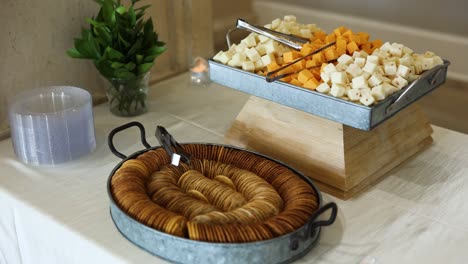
(52, 125)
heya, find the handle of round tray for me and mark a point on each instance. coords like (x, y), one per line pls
(334, 212)
(110, 138)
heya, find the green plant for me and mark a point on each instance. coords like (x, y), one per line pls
(121, 43)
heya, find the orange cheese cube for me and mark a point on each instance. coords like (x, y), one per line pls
(319, 57)
(348, 34)
(311, 84)
(300, 65)
(356, 38)
(316, 73)
(330, 38)
(304, 76)
(364, 37)
(296, 82)
(294, 76)
(366, 47)
(331, 54)
(286, 79)
(377, 43)
(311, 63)
(352, 47)
(306, 49)
(340, 46)
(320, 35)
(272, 66)
(289, 56)
(339, 31)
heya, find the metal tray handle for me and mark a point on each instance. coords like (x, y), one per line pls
(110, 138)
(409, 93)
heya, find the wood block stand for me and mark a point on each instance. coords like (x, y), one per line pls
(342, 160)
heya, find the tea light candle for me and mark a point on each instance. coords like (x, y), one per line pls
(200, 71)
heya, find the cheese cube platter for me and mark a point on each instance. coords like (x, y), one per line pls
(353, 80)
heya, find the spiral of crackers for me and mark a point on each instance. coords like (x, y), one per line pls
(224, 195)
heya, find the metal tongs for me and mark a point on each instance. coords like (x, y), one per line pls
(287, 39)
(170, 145)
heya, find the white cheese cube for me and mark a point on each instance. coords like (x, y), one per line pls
(403, 71)
(373, 59)
(370, 67)
(360, 54)
(399, 82)
(367, 100)
(383, 54)
(397, 45)
(238, 58)
(354, 70)
(341, 67)
(375, 79)
(248, 66)
(406, 60)
(427, 63)
(305, 33)
(216, 57)
(390, 68)
(380, 70)
(386, 46)
(253, 54)
(366, 75)
(268, 58)
(396, 52)
(275, 23)
(325, 77)
(323, 88)
(378, 92)
(225, 57)
(359, 82)
(271, 47)
(263, 39)
(360, 61)
(290, 18)
(413, 77)
(260, 49)
(233, 63)
(269, 26)
(232, 49)
(386, 80)
(429, 54)
(329, 68)
(240, 48)
(407, 50)
(418, 68)
(438, 60)
(354, 94)
(337, 90)
(345, 59)
(389, 89)
(339, 78)
(365, 91)
(259, 65)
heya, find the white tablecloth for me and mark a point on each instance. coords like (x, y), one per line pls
(417, 214)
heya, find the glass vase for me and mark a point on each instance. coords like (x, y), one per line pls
(128, 97)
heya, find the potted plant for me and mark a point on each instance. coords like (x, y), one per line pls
(123, 47)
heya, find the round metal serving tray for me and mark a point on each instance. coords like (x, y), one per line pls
(283, 249)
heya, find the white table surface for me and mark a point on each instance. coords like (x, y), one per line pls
(417, 214)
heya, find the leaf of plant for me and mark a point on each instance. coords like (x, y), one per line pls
(155, 50)
(113, 54)
(121, 10)
(94, 22)
(130, 66)
(139, 58)
(74, 53)
(135, 47)
(132, 17)
(107, 11)
(145, 67)
(142, 8)
(116, 65)
(124, 74)
(104, 33)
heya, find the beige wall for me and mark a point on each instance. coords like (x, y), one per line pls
(435, 15)
(34, 36)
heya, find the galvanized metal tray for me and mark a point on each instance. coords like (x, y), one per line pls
(283, 249)
(326, 106)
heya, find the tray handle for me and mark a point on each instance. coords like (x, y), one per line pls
(110, 138)
(294, 243)
(407, 95)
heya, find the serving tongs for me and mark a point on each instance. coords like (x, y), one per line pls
(172, 147)
(287, 39)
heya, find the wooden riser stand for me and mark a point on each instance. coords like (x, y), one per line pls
(342, 160)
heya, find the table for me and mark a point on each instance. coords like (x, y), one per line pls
(417, 214)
